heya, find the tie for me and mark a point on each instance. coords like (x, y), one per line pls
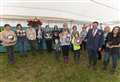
(94, 32)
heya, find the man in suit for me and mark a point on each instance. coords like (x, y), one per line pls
(94, 44)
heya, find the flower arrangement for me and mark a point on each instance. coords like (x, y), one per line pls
(34, 23)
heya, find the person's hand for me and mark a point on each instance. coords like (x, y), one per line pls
(111, 46)
(7, 41)
(99, 49)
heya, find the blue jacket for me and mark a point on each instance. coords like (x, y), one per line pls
(95, 42)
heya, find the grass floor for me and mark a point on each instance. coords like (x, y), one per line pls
(44, 68)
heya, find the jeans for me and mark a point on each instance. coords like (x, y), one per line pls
(40, 44)
(22, 45)
(114, 61)
(10, 53)
(107, 58)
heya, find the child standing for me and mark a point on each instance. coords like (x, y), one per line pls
(76, 41)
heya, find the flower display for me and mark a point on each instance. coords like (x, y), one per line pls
(34, 23)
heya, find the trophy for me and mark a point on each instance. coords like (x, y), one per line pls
(78, 40)
(55, 34)
(23, 33)
(31, 36)
(48, 35)
(10, 37)
(18, 32)
(56, 41)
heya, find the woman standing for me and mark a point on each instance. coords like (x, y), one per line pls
(21, 39)
(40, 37)
(56, 42)
(113, 43)
(65, 42)
(31, 36)
(48, 38)
(8, 38)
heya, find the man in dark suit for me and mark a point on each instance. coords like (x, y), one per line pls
(94, 43)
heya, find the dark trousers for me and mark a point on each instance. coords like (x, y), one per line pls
(106, 58)
(99, 55)
(40, 44)
(10, 53)
(119, 54)
(77, 56)
(57, 55)
(65, 52)
(49, 45)
(32, 44)
(92, 56)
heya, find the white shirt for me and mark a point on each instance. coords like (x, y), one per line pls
(31, 34)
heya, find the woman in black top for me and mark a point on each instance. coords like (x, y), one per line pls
(21, 40)
(113, 43)
(56, 42)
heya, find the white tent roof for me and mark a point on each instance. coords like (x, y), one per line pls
(81, 10)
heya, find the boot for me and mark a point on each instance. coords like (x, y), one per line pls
(66, 59)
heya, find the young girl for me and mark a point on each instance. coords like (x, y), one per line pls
(9, 40)
(74, 32)
(21, 39)
(113, 43)
(76, 41)
(65, 42)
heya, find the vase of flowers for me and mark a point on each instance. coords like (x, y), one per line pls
(34, 22)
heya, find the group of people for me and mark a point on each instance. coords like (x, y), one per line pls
(96, 42)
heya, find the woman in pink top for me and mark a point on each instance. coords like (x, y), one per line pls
(8, 38)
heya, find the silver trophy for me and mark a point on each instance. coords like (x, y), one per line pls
(10, 37)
